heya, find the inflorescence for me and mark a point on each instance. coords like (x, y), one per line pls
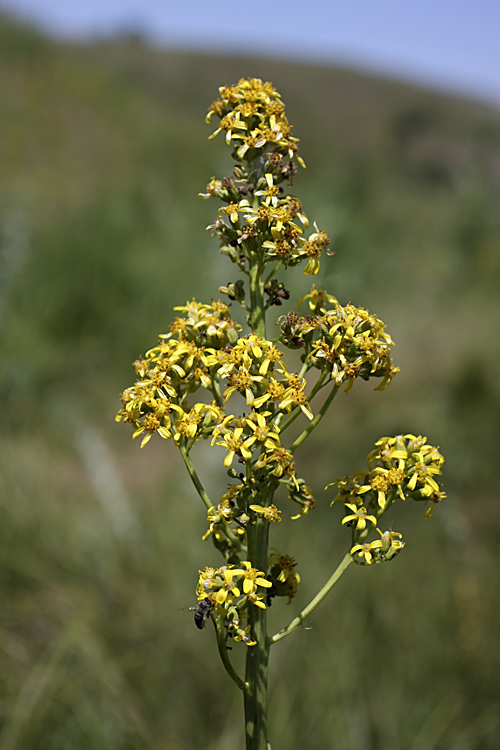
(187, 385)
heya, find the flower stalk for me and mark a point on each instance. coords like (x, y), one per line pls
(209, 379)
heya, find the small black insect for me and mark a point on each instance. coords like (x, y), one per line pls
(202, 612)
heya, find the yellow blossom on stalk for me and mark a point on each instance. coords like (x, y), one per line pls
(271, 192)
(241, 380)
(366, 550)
(228, 590)
(359, 516)
(402, 466)
(257, 600)
(184, 382)
(205, 582)
(317, 242)
(283, 574)
(302, 494)
(213, 188)
(263, 431)
(391, 541)
(221, 513)
(295, 395)
(253, 578)
(281, 461)
(317, 298)
(271, 513)
(244, 635)
(187, 425)
(234, 443)
(229, 123)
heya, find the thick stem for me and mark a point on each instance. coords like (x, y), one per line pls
(255, 694)
(257, 314)
(258, 655)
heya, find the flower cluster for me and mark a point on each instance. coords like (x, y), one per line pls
(258, 218)
(230, 591)
(176, 367)
(402, 466)
(380, 550)
(346, 341)
(282, 574)
(253, 114)
(399, 467)
(186, 385)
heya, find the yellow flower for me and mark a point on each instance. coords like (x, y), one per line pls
(262, 431)
(270, 513)
(282, 459)
(257, 600)
(391, 541)
(244, 636)
(366, 550)
(359, 515)
(380, 484)
(228, 590)
(229, 123)
(271, 192)
(234, 444)
(295, 395)
(317, 298)
(241, 380)
(253, 578)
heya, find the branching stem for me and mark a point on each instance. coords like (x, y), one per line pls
(201, 492)
(314, 603)
(221, 644)
(317, 419)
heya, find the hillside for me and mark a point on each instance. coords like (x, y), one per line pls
(103, 149)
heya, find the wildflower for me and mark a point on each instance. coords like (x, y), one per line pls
(244, 635)
(263, 432)
(253, 578)
(228, 590)
(234, 443)
(282, 460)
(257, 600)
(271, 192)
(359, 516)
(367, 550)
(380, 484)
(317, 298)
(241, 381)
(270, 513)
(391, 543)
(295, 395)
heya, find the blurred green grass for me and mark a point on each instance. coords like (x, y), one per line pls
(103, 149)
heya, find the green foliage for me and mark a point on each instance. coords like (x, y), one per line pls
(103, 152)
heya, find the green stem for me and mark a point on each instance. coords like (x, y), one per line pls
(221, 643)
(194, 477)
(257, 314)
(314, 603)
(216, 390)
(271, 275)
(258, 655)
(317, 419)
(255, 695)
(201, 492)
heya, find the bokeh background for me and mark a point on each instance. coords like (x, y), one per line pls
(103, 149)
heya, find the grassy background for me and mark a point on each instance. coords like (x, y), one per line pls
(102, 150)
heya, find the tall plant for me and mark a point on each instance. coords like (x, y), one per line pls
(263, 230)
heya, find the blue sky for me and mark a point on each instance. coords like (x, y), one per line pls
(449, 44)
